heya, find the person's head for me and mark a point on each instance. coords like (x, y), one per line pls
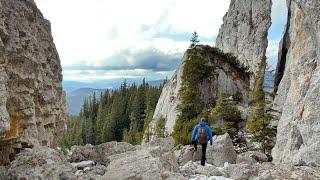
(203, 118)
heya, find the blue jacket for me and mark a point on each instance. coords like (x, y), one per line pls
(196, 130)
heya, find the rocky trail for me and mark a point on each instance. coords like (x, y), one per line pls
(158, 159)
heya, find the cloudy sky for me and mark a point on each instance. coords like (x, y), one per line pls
(105, 39)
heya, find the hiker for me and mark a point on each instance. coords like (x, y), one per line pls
(202, 134)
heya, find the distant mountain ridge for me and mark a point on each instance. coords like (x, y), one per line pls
(76, 98)
(76, 92)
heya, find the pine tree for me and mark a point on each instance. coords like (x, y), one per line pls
(101, 116)
(107, 118)
(160, 128)
(259, 122)
(227, 114)
(194, 39)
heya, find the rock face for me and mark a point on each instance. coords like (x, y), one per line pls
(298, 95)
(226, 78)
(32, 102)
(39, 163)
(244, 31)
(168, 102)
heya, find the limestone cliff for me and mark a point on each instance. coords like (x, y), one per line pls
(244, 31)
(226, 78)
(32, 102)
(298, 95)
(244, 34)
(168, 101)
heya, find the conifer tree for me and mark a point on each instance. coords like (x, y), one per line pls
(120, 114)
(259, 122)
(228, 115)
(101, 116)
(160, 128)
(194, 39)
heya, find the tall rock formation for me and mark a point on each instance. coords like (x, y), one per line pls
(244, 31)
(298, 95)
(168, 101)
(244, 34)
(226, 78)
(32, 102)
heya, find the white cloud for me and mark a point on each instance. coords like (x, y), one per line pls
(89, 32)
(272, 53)
(86, 31)
(279, 11)
(93, 75)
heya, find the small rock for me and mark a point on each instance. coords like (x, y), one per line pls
(79, 172)
(168, 175)
(241, 171)
(265, 175)
(86, 169)
(191, 168)
(82, 164)
(251, 157)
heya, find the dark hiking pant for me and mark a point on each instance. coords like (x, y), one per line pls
(203, 149)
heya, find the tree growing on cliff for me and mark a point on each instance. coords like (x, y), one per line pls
(259, 122)
(160, 128)
(228, 116)
(194, 39)
(195, 70)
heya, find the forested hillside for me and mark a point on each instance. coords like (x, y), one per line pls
(117, 115)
